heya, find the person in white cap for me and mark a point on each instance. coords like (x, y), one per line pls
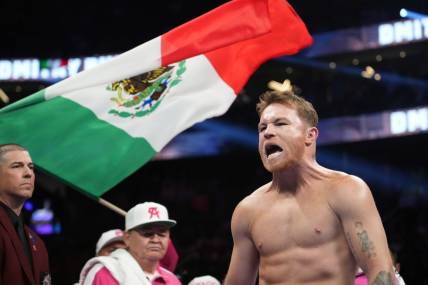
(109, 242)
(204, 280)
(146, 238)
(113, 239)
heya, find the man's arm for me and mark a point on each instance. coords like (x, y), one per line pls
(353, 202)
(244, 262)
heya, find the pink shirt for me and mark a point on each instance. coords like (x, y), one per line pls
(104, 277)
(361, 279)
(166, 277)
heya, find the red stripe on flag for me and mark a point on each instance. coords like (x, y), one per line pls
(227, 24)
(236, 63)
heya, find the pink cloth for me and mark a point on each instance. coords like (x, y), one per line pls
(166, 277)
(104, 277)
(170, 260)
(361, 280)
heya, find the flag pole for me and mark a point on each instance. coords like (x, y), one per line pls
(111, 206)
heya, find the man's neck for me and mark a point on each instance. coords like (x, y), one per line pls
(297, 177)
(15, 206)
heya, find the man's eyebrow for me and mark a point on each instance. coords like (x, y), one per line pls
(17, 162)
(274, 121)
(280, 118)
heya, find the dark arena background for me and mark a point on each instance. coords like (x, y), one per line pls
(366, 74)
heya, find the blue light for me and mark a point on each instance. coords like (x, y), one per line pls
(57, 228)
(28, 206)
(42, 220)
(44, 229)
(42, 215)
(404, 13)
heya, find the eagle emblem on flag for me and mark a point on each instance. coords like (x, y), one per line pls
(142, 94)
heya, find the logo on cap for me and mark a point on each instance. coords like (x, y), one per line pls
(153, 211)
(147, 213)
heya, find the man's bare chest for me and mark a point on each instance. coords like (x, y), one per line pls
(282, 224)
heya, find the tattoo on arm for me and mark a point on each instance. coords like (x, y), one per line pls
(383, 278)
(367, 247)
(366, 244)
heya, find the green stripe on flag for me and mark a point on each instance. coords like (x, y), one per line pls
(70, 142)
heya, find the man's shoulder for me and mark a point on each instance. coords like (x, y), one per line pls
(259, 192)
(97, 273)
(344, 190)
(340, 182)
(3, 216)
(6, 225)
(248, 206)
(253, 199)
(4, 219)
(104, 276)
(95, 265)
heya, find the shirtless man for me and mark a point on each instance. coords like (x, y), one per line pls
(310, 224)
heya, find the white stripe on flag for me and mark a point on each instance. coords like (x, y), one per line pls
(201, 94)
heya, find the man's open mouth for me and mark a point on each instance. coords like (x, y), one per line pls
(272, 149)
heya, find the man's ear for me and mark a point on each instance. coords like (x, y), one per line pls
(397, 267)
(311, 136)
(126, 236)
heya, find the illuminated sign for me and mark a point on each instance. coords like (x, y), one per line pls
(46, 70)
(368, 37)
(410, 121)
(403, 31)
(373, 126)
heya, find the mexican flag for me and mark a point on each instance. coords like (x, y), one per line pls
(96, 128)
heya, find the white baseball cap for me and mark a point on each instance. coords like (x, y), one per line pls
(147, 213)
(204, 280)
(107, 238)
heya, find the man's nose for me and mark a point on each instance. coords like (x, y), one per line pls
(269, 131)
(156, 238)
(28, 172)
